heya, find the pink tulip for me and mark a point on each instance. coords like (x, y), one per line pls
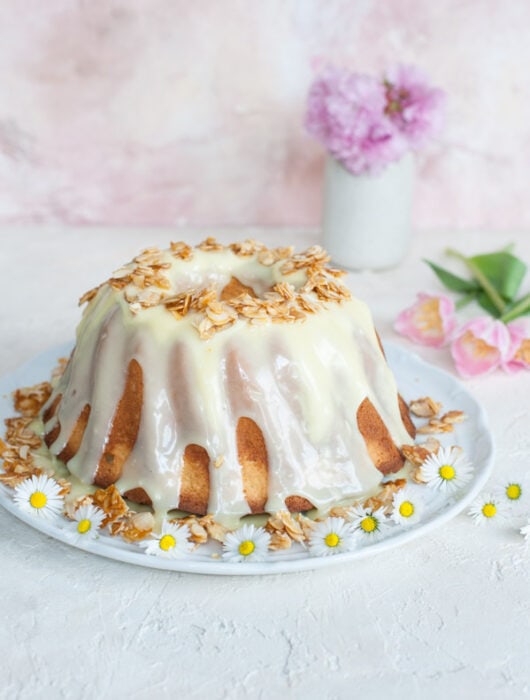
(520, 337)
(481, 346)
(430, 321)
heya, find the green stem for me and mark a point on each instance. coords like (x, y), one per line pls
(522, 306)
(484, 282)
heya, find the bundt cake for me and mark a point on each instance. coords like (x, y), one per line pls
(227, 380)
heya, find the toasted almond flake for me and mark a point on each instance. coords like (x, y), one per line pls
(285, 290)
(210, 244)
(279, 540)
(58, 371)
(306, 524)
(145, 284)
(181, 250)
(71, 507)
(431, 444)
(88, 296)
(18, 432)
(131, 528)
(452, 417)
(246, 248)
(340, 512)
(383, 500)
(214, 529)
(425, 407)
(119, 283)
(12, 480)
(267, 258)
(29, 400)
(121, 273)
(417, 475)
(283, 522)
(143, 521)
(435, 426)
(65, 485)
(219, 461)
(198, 532)
(415, 454)
(111, 503)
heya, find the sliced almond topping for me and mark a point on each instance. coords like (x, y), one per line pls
(425, 407)
(279, 540)
(415, 454)
(111, 503)
(435, 426)
(29, 400)
(453, 417)
(385, 497)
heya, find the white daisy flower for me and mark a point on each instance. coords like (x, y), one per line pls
(513, 491)
(407, 507)
(485, 509)
(171, 543)
(447, 470)
(40, 496)
(87, 521)
(332, 536)
(249, 543)
(525, 531)
(368, 525)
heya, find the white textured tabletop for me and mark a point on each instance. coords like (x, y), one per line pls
(442, 617)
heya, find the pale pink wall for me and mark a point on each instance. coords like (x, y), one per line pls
(163, 112)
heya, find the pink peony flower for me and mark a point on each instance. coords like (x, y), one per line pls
(366, 123)
(520, 338)
(346, 112)
(481, 346)
(430, 321)
(414, 107)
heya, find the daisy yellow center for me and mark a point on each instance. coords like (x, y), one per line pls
(406, 509)
(167, 542)
(38, 499)
(489, 510)
(447, 472)
(246, 547)
(513, 491)
(84, 526)
(369, 524)
(332, 540)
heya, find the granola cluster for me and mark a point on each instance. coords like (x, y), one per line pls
(145, 284)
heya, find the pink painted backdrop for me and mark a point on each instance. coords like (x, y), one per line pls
(173, 112)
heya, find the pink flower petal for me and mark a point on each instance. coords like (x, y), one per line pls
(430, 321)
(482, 345)
(414, 106)
(520, 338)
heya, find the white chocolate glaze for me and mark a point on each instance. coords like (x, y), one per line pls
(301, 382)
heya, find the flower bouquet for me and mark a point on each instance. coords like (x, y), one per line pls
(369, 127)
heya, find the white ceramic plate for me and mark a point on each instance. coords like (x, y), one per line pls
(414, 377)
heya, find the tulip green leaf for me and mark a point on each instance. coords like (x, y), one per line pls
(451, 281)
(503, 270)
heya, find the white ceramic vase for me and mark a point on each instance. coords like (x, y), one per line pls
(367, 218)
